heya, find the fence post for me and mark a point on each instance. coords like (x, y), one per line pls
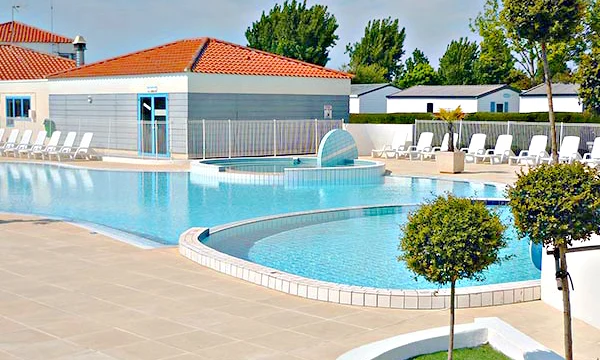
(274, 137)
(229, 135)
(460, 122)
(414, 138)
(316, 136)
(561, 133)
(508, 127)
(203, 139)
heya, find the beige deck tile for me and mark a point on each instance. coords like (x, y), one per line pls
(243, 329)
(188, 356)
(22, 338)
(153, 328)
(235, 350)
(73, 327)
(145, 350)
(46, 350)
(249, 309)
(329, 330)
(196, 340)
(203, 319)
(328, 311)
(105, 339)
(86, 355)
(8, 326)
(324, 350)
(288, 319)
(367, 319)
(285, 340)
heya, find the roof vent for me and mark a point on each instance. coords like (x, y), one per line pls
(80, 46)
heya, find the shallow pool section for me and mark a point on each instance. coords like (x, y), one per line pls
(286, 171)
(348, 256)
(161, 206)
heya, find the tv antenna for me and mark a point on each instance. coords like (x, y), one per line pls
(12, 24)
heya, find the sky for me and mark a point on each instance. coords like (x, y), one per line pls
(116, 27)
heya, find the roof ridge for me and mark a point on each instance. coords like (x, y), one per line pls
(280, 56)
(198, 54)
(105, 61)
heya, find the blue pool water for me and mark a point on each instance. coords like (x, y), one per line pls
(161, 206)
(362, 252)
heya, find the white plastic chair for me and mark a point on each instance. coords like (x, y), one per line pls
(424, 143)
(67, 147)
(568, 152)
(445, 146)
(38, 144)
(592, 158)
(11, 142)
(500, 153)
(85, 150)
(476, 147)
(23, 144)
(2, 131)
(51, 146)
(398, 141)
(536, 151)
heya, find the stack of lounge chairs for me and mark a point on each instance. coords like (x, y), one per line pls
(13, 146)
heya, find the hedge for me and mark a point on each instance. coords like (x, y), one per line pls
(409, 118)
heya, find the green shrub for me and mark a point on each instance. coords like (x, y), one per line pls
(409, 118)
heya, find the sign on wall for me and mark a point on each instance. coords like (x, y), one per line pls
(327, 112)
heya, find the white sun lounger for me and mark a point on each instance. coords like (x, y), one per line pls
(67, 147)
(23, 144)
(38, 144)
(444, 147)
(51, 146)
(11, 142)
(423, 144)
(85, 150)
(568, 152)
(592, 158)
(476, 147)
(500, 153)
(2, 131)
(532, 156)
(398, 142)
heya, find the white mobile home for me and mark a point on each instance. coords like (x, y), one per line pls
(370, 98)
(565, 98)
(471, 98)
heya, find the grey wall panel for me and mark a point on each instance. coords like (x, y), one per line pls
(376, 102)
(113, 119)
(264, 106)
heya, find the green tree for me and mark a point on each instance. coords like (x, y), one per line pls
(457, 63)
(368, 74)
(295, 31)
(544, 22)
(417, 71)
(381, 44)
(495, 61)
(555, 205)
(450, 116)
(450, 239)
(589, 79)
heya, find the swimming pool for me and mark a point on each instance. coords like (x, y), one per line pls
(161, 206)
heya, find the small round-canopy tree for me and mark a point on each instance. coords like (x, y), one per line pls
(449, 239)
(555, 205)
(450, 116)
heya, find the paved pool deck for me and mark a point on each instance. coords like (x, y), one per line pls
(68, 293)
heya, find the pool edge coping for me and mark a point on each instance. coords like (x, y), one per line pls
(192, 248)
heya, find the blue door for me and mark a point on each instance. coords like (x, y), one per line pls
(153, 125)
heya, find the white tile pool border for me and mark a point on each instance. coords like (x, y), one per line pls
(192, 248)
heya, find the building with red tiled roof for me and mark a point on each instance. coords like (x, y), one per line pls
(183, 82)
(23, 85)
(17, 33)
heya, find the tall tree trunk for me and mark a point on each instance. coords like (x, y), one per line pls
(566, 304)
(451, 337)
(551, 117)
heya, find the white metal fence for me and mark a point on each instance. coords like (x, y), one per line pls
(522, 132)
(201, 139)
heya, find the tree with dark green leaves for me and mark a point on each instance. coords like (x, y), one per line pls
(417, 71)
(457, 65)
(589, 68)
(368, 74)
(449, 239)
(544, 22)
(296, 31)
(555, 205)
(495, 61)
(382, 44)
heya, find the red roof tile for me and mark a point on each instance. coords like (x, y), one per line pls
(17, 32)
(202, 55)
(18, 63)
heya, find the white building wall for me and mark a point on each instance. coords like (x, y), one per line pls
(419, 105)
(375, 136)
(172, 83)
(584, 268)
(249, 84)
(540, 104)
(499, 97)
(354, 105)
(37, 90)
(376, 102)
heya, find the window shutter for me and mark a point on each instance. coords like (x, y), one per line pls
(506, 106)
(493, 106)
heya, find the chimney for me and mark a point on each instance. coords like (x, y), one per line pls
(79, 44)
